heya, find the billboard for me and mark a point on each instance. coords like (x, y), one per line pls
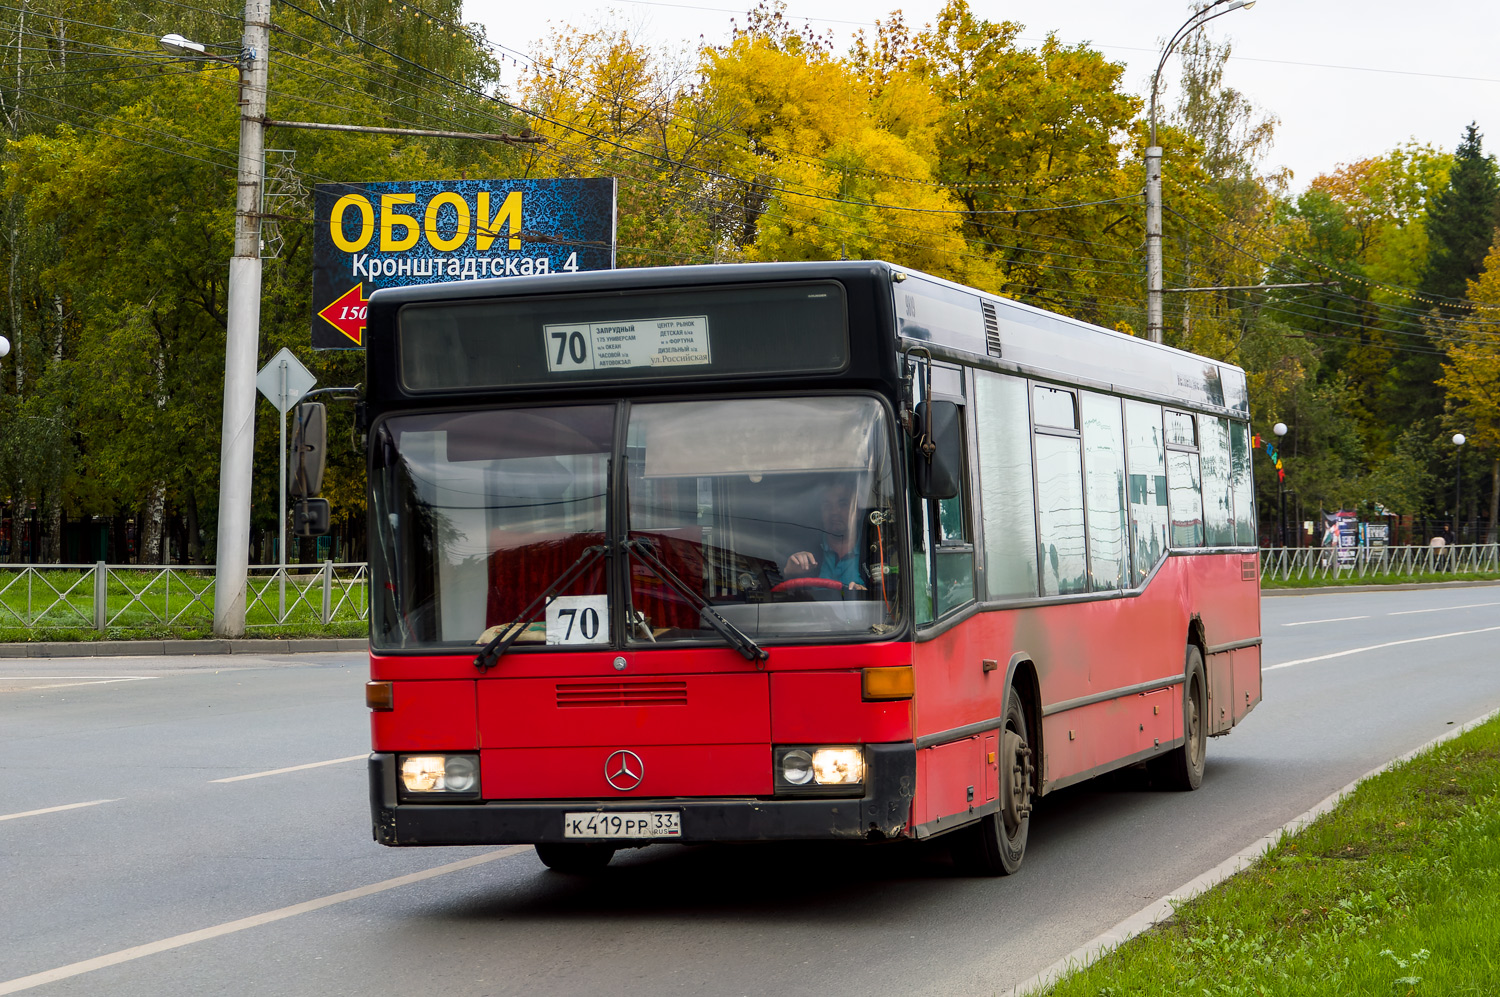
(373, 235)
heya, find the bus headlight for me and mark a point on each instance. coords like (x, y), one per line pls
(453, 775)
(797, 767)
(810, 770)
(838, 766)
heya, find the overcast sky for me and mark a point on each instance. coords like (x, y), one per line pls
(1347, 79)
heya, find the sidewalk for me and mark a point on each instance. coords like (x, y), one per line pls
(161, 648)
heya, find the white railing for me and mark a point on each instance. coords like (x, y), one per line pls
(1318, 563)
(103, 596)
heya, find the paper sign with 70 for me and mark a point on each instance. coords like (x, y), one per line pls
(578, 619)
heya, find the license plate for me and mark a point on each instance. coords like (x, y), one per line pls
(639, 824)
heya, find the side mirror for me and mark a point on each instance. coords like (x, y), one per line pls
(937, 474)
(310, 450)
(310, 517)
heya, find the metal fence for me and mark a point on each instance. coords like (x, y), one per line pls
(1376, 563)
(102, 596)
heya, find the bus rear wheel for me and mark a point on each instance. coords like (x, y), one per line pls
(996, 845)
(575, 860)
(1182, 767)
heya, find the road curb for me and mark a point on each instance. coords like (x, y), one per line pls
(1161, 910)
(165, 648)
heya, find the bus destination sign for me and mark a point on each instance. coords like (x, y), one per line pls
(678, 341)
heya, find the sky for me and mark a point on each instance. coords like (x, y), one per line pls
(1346, 79)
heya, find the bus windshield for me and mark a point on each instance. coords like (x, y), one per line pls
(776, 514)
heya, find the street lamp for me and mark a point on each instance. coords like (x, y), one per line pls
(4, 347)
(1280, 430)
(1458, 484)
(1153, 166)
(242, 333)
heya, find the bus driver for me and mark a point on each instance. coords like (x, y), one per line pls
(838, 555)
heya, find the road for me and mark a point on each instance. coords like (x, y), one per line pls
(131, 867)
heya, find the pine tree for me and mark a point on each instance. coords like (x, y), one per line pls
(1461, 220)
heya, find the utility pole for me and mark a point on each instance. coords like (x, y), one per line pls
(1201, 16)
(242, 344)
(1153, 232)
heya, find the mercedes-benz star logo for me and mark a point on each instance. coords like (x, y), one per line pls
(624, 771)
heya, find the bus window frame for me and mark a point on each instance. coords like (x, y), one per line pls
(905, 629)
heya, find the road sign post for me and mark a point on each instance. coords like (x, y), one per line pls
(283, 381)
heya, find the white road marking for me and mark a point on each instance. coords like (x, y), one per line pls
(1336, 619)
(53, 810)
(292, 768)
(254, 921)
(1376, 647)
(1443, 609)
(68, 681)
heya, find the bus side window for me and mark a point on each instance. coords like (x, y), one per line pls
(953, 547)
(1240, 485)
(1007, 499)
(1218, 506)
(1146, 455)
(1061, 545)
(1104, 463)
(1184, 487)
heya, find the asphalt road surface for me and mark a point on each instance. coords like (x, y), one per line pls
(201, 826)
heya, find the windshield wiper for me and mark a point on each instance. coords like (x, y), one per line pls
(491, 653)
(734, 635)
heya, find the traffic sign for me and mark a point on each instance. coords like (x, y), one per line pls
(284, 392)
(347, 313)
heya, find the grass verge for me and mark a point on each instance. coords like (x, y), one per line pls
(1396, 891)
(203, 631)
(1420, 578)
(150, 604)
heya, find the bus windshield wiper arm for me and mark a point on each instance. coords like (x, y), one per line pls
(736, 637)
(491, 653)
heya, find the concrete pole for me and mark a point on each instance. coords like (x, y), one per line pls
(242, 343)
(1153, 240)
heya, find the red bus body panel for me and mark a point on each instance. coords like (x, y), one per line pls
(703, 720)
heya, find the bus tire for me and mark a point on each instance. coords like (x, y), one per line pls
(575, 860)
(996, 845)
(1182, 767)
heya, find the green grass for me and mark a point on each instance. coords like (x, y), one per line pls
(147, 607)
(1350, 578)
(1394, 892)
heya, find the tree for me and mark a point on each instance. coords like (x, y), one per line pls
(1025, 137)
(1471, 377)
(1461, 222)
(125, 190)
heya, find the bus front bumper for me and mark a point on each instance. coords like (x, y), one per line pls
(883, 812)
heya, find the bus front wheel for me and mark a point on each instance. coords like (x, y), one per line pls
(996, 845)
(1182, 767)
(576, 860)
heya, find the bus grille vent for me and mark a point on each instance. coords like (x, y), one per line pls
(621, 694)
(991, 328)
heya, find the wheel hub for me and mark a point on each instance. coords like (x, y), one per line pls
(1015, 797)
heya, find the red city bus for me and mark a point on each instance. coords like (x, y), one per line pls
(789, 551)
